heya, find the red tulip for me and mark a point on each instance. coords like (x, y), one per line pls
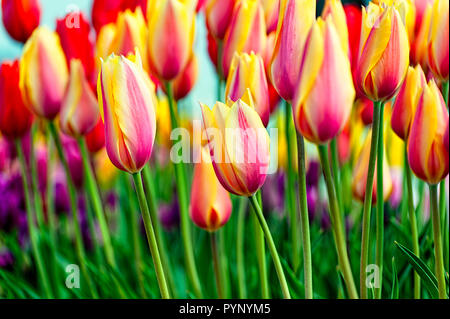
(104, 12)
(353, 14)
(95, 139)
(21, 17)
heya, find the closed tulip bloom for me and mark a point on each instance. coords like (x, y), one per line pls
(406, 101)
(446, 138)
(246, 33)
(427, 155)
(171, 30)
(419, 44)
(210, 206)
(247, 72)
(335, 10)
(185, 81)
(325, 68)
(95, 139)
(15, 118)
(239, 146)
(218, 15)
(104, 42)
(271, 14)
(79, 111)
(296, 18)
(360, 174)
(365, 109)
(74, 33)
(353, 15)
(21, 17)
(105, 12)
(438, 55)
(43, 73)
(127, 104)
(383, 53)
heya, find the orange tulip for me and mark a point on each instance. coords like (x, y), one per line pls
(438, 48)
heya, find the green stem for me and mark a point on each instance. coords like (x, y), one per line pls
(37, 199)
(30, 221)
(271, 244)
(413, 223)
(380, 204)
(151, 236)
(79, 247)
(240, 248)
(224, 272)
(181, 184)
(368, 201)
(216, 264)
(94, 194)
(153, 207)
(306, 240)
(337, 174)
(338, 229)
(438, 254)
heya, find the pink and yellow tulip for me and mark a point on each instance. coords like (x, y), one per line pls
(438, 42)
(271, 14)
(218, 15)
(127, 103)
(325, 68)
(185, 81)
(419, 45)
(335, 10)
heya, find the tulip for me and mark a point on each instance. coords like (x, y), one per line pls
(446, 138)
(406, 101)
(212, 50)
(241, 161)
(95, 139)
(218, 15)
(383, 53)
(43, 73)
(438, 53)
(247, 73)
(15, 118)
(427, 155)
(127, 104)
(360, 175)
(246, 33)
(271, 13)
(421, 8)
(419, 44)
(171, 30)
(79, 111)
(335, 10)
(296, 18)
(343, 144)
(104, 12)
(365, 107)
(74, 33)
(212, 211)
(353, 15)
(21, 17)
(325, 68)
(185, 81)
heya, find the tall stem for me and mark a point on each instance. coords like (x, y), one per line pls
(271, 245)
(154, 250)
(79, 247)
(336, 174)
(306, 240)
(438, 253)
(380, 204)
(216, 264)
(240, 248)
(94, 194)
(368, 201)
(30, 222)
(37, 199)
(338, 229)
(180, 177)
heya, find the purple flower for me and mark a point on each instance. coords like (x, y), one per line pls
(6, 259)
(313, 173)
(169, 215)
(273, 191)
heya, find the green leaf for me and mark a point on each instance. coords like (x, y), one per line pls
(394, 292)
(429, 280)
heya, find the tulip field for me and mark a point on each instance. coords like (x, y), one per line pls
(224, 149)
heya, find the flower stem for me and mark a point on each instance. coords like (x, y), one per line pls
(73, 208)
(306, 240)
(338, 229)
(30, 221)
(380, 204)
(438, 254)
(337, 176)
(368, 200)
(240, 248)
(180, 177)
(271, 244)
(216, 263)
(94, 194)
(37, 199)
(413, 223)
(154, 250)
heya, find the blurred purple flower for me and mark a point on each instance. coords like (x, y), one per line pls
(73, 156)
(273, 191)
(313, 173)
(6, 259)
(169, 215)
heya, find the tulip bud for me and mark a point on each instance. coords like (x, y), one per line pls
(325, 68)
(360, 174)
(127, 104)
(246, 33)
(239, 146)
(419, 44)
(406, 101)
(353, 16)
(74, 34)
(271, 14)
(79, 111)
(383, 53)
(185, 81)
(438, 53)
(95, 139)
(104, 12)
(296, 18)
(247, 72)
(335, 10)
(218, 16)
(21, 17)
(365, 108)
(104, 42)
(210, 206)
(15, 118)
(43, 73)
(171, 30)
(427, 155)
